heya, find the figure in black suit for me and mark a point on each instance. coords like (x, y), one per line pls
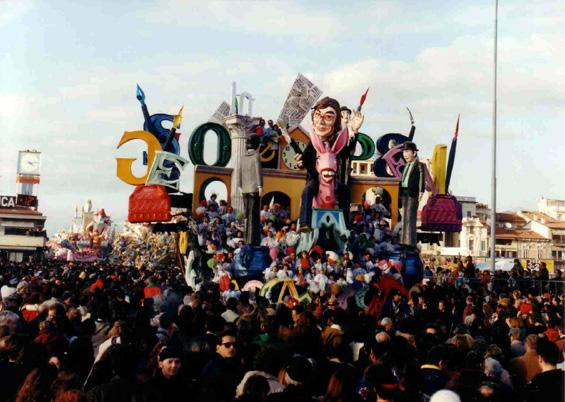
(412, 186)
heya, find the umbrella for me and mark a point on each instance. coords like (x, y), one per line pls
(482, 265)
(504, 264)
(251, 286)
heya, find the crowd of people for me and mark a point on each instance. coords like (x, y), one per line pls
(126, 331)
(137, 245)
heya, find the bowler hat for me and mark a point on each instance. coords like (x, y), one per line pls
(409, 146)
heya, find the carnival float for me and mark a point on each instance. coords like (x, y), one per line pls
(88, 239)
(307, 174)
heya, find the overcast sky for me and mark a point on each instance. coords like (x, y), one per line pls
(68, 72)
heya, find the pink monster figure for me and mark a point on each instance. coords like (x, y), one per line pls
(326, 165)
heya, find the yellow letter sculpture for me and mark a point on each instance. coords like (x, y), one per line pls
(438, 167)
(124, 172)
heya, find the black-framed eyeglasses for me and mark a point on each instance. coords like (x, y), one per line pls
(229, 344)
(327, 117)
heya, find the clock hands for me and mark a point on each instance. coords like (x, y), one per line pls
(288, 138)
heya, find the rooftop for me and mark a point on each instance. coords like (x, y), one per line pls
(518, 234)
(466, 199)
(544, 219)
(510, 217)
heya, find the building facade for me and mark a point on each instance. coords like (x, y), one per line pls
(22, 234)
(473, 239)
(518, 235)
(551, 229)
(516, 239)
(554, 208)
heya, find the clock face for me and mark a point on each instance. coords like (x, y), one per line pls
(288, 153)
(29, 163)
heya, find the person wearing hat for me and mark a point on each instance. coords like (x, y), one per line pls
(412, 186)
(250, 183)
(168, 381)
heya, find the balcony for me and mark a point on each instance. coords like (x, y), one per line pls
(15, 241)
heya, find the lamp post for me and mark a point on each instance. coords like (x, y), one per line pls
(493, 213)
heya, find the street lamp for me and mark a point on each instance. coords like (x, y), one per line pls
(493, 213)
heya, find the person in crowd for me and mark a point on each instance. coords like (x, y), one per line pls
(168, 382)
(524, 368)
(222, 374)
(547, 386)
(131, 328)
(433, 377)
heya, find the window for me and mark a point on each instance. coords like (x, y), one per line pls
(469, 214)
(16, 257)
(16, 231)
(471, 245)
(451, 240)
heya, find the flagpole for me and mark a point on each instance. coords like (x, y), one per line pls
(493, 212)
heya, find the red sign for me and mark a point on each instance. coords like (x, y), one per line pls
(25, 200)
(149, 204)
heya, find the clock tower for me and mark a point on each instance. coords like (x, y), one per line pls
(29, 164)
(22, 226)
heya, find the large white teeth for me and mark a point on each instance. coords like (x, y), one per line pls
(328, 174)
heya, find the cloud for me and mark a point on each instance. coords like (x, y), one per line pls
(112, 114)
(265, 18)
(80, 91)
(459, 76)
(12, 106)
(12, 11)
(441, 81)
(437, 62)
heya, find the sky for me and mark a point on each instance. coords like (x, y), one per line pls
(68, 72)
